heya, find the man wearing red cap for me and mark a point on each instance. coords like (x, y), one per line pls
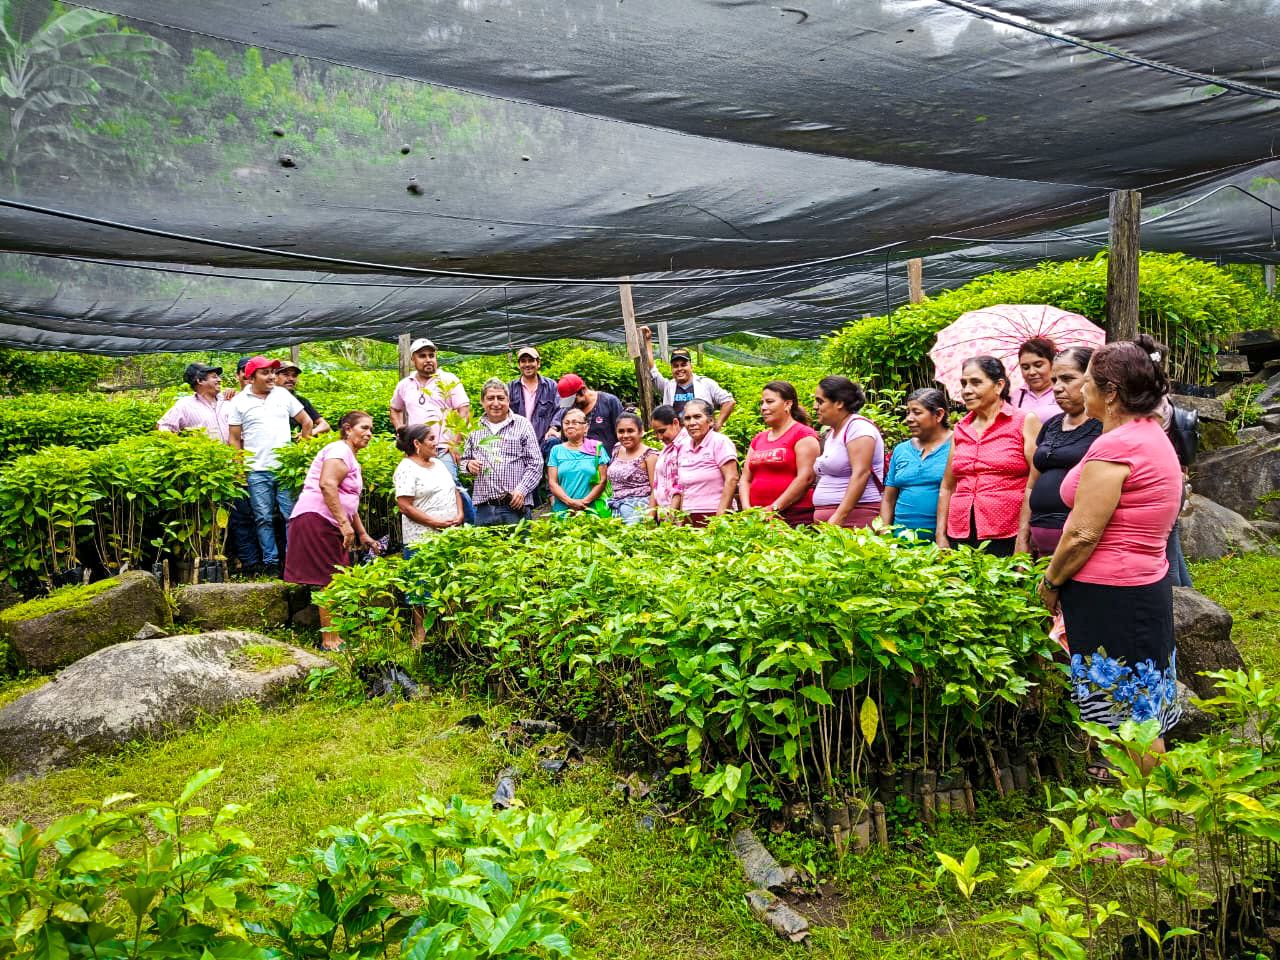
(258, 418)
(602, 410)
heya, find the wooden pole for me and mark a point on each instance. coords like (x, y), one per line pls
(664, 342)
(634, 350)
(295, 354)
(406, 361)
(1122, 264)
(1269, 277)
(915, 279)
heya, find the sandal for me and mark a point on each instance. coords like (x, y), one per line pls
(1102, 772)
(1124, 852)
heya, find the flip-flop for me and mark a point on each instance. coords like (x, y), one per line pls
(1101, 772)
(1124, 852)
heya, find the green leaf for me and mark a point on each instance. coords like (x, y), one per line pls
(312, 923)
(817, 695)
(198, 782)
(869, 719)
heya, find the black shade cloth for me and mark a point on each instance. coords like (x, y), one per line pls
(759, 167)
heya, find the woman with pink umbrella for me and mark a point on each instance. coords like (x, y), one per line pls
(1035, 361)
(983, 497)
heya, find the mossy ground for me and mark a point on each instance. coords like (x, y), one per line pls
(673, 892)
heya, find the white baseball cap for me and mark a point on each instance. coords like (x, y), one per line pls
(422, 343)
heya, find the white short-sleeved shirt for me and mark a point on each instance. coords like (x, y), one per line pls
(433, 492)
(430, 403)
(263, 423)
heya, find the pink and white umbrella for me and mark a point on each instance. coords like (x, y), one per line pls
(999, 331)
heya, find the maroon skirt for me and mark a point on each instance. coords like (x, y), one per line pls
(315, 550)
(860, 516)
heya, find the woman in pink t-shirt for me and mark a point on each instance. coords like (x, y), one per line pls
(325, 524)
(706, 467)
(1110, 573)
(1035, 361)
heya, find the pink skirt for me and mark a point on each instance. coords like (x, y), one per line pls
(860, 516)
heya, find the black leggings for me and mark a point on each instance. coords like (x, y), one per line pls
(997, 547)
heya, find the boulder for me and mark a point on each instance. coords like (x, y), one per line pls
(1208, 408)
(1211, 531)
(71, 623)
(141, 689)
(1240, 477)
(226, 606)
(1203, 630)
(1252, 434)
(1270, 422)
(1194, 722)
(1268, 528)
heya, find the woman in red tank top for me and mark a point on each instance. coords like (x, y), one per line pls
(778, 473)
(983, 496)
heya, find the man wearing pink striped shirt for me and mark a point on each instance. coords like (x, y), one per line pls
(204, 408)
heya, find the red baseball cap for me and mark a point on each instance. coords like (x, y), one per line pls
(260, 363)
(568, 388)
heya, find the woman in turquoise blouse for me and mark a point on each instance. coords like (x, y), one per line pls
(573, 469)
(917, 466)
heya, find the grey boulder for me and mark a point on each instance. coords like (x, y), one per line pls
(228, 606)
(1203, 631)
(1210, 531)
(63, 635)
(144, 689)
(1240, 477)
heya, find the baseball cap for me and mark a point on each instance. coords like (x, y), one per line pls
(681, 354)
(288, 365)
(422, 343)
(242, 363)
(198, 371)
(260, 363)
(528, 352)
(568, 387)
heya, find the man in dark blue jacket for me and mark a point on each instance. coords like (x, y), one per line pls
(535, 398)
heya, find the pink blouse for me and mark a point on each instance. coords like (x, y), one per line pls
(666, 471)
(1043, 405)
(1131, 552)
(698, 472)
(311, 500)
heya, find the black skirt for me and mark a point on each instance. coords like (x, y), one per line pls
(1123, 654)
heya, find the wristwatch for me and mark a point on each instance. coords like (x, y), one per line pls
(1055, 587)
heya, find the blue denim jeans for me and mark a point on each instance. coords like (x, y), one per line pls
(468, 508)
(243, 533)
(266, 495)
(1177, 561)
(494, 515)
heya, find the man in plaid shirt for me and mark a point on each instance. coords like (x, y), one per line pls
(504, 457)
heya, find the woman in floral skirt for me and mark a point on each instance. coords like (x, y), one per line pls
(1110, 572)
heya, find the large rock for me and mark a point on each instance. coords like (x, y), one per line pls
(1208, 408)
(144, 688)
(226, 606)
(1203, 630)
(1211, 531)
(59, 629)
(1241, 477)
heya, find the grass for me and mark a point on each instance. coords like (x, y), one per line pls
(64, 598)
(673, 892)
(1249, 587)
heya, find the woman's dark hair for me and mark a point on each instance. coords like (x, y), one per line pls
(843, 391)
(665, 414)
(633, 417)
(1078, 357)
(1041, 347)
(993, 370)
(350, 419)
(1136, 369)
(933, 400)
(788, 392)
(408, 438)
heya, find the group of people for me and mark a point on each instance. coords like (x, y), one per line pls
(1085, 465)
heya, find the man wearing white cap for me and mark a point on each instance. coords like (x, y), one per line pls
(258, 419)
(426, 396)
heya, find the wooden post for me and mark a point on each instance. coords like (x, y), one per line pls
(1122, 264)
(295, 354)
(635, 352)
(915, 279)
(406, 361)
(1269, 278)
(664, 342)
